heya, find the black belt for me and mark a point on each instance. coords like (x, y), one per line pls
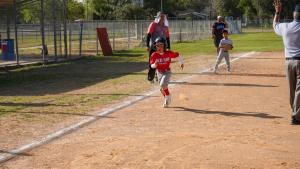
(294, 58)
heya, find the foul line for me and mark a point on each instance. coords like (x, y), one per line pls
(22, 149)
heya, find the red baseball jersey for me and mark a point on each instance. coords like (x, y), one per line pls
(163, 60)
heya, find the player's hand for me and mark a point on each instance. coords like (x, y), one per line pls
(181, 66)
(278, 6)
(148, 49)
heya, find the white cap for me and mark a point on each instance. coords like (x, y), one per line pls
(219, 17)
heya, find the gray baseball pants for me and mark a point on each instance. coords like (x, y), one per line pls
(164, 78)
(222, 55)
(293, 76)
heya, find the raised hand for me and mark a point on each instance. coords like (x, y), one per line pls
(278, 6)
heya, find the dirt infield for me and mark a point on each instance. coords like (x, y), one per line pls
(237, 120)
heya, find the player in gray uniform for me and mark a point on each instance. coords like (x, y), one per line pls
(225, 45)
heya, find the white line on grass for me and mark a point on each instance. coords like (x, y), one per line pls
(15, 152)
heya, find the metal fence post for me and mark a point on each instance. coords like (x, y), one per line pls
(60, 40)
(70, 39)
(97, 40)
(193, 38)
(36, 33)
(114, 35)
(54, 28)
(196, 30)
(142, 33)
(128, 36)
(65, 27)
(43, 31)
(80, 39)
(22, 36)
(180, 29)
(136, 29)
(16, 32)
(48, 34)
(8, 26)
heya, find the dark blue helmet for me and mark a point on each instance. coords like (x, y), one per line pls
(160, 40)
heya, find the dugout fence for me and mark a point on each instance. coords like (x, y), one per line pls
(80, 38)
(53, 38)
(260, 25)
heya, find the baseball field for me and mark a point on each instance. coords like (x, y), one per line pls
(226, 120)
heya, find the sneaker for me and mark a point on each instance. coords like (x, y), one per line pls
(165, 105)
(295, 121)
(169, 99)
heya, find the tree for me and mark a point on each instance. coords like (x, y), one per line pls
(173, 7)
(31, 13)
(263, 9)
(248, 8)
(130, 11)
(107, 9)
(288, 8)
(75, 10)
(228, 8)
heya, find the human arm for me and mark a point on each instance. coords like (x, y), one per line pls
(153, 61)
(180, 59)
(278, 7)
(148, 41)
(213, 29)
(150, 31)
(177, 55)
(226, 45)
(168, 43)
(154, 65)
(276, 25)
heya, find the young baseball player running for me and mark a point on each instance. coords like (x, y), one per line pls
(225, 45)
(161, 60)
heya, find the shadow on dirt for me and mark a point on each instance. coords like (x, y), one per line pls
(229, 114)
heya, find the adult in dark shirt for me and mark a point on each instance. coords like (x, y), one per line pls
(217, 31)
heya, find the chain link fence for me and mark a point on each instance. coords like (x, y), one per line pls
(125, 35)
(81, 37)
(260, 25)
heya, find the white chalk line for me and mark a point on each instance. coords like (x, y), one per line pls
(24, 148)
(245, 55)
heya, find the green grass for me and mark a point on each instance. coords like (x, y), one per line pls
(250, 41)
(45, 87)
(246, 42)
(100, 80)
(260, 42)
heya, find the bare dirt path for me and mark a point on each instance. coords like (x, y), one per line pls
(237, 120)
